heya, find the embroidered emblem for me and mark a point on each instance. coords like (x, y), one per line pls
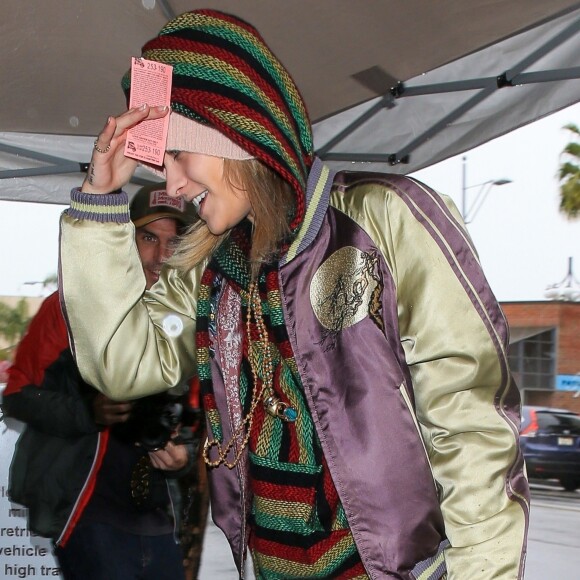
(346, 289)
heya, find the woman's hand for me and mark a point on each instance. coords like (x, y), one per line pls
(109, 169)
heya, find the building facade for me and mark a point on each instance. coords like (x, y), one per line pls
(544, 353)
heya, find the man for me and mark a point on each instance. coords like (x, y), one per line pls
(99, 476)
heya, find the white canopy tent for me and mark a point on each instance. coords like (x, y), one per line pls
(395, 85)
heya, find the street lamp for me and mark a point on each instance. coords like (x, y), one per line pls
(480, 197)
(567, 290)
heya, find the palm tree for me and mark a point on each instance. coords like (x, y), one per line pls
(13, 323)
(14, 320)
(569, 175)
(50, 282)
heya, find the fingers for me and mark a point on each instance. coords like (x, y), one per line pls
(119, 407)
(111, 406)
(117, 126)
(109, 169)
(171, 458)
(117, 412)
(108, 412)
(114, 418)
(160, 459)
(133, 117)
(157, 112)
(103, 141)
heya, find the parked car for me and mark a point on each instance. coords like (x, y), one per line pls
(550, 441)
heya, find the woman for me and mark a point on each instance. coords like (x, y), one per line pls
(362, 420)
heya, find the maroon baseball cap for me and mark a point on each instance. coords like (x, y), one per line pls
(152, 203)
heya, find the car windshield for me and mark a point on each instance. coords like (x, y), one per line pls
(558, 422)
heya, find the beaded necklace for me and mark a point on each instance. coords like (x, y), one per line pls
(273, 405)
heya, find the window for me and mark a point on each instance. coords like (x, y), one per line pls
(532, 360)
(552, 422)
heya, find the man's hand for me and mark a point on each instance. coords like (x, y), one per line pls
(109, 412)
(171, 458)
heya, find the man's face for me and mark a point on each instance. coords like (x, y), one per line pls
(156, 243)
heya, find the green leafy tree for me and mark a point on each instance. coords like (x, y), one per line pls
(569, 174)
(50, 282)
(13, 324)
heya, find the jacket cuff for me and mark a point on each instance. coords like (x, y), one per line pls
(107, 208)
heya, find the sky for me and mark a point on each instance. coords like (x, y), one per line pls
(523, 241)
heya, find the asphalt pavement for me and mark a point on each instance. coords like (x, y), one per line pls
(217, 562)
(553, 540)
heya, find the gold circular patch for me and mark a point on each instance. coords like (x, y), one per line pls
(341, 289)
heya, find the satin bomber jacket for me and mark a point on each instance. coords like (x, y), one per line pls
(402, 351)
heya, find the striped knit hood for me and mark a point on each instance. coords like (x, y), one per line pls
(224, 75)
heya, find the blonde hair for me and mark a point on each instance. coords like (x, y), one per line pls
(273, 203)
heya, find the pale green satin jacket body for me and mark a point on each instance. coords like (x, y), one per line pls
(434, 300)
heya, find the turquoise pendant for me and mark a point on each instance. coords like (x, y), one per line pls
(291, 414)
(277, 408)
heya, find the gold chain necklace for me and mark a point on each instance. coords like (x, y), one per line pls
(272, 403)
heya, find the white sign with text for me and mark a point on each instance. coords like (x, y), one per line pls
(22, 553)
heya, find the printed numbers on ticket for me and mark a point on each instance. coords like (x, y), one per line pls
(151, 85)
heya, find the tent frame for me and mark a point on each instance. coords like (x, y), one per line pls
(488, 85)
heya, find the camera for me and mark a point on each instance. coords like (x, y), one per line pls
(155, 418)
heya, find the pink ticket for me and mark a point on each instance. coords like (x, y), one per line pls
(151, 85)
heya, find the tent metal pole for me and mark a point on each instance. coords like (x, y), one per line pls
(541, 51)
(484, 82)
(450, 87)
(489, 85)
(359, 157)
(56, 165)
(483, 94)
(386, 101)
(36, 155)
(442, 123)
(546, 76)
(42, 171)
